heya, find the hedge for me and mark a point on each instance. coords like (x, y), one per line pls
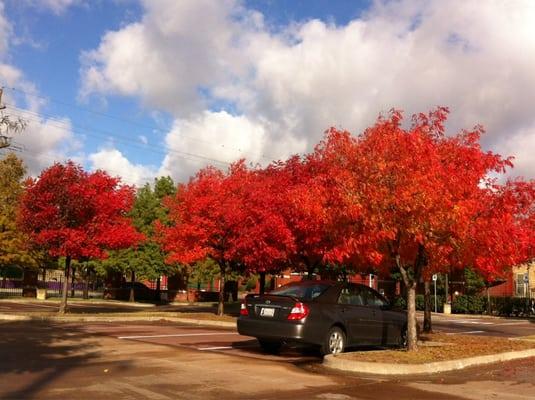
(474, 304)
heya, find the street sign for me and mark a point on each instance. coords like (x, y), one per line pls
(435, 276)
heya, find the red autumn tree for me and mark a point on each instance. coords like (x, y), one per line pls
(420, 194)
(199, 225)
(260, 239)
(76, 214)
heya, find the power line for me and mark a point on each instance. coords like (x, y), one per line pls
(40, 117)
(38, 156)
(133, 123)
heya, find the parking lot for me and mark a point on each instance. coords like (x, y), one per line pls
(168, 360)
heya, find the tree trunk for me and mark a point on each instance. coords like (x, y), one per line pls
(73, 272)
(132, 292)
(412, 324)
(158, 283)
(86, 284)
(63, 304)
(262, 282)
(427, 309)
(221, 304)
(489, 308)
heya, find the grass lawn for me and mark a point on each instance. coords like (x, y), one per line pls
(441, 347)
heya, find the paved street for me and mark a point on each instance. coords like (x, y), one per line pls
(166, 360)
(484, 326)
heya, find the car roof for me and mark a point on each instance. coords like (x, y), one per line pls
(312, 283)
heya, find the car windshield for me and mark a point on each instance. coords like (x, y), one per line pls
(304, 292)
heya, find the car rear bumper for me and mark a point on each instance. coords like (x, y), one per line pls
(269, 329)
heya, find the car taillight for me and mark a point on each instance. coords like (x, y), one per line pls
(243, 309)
(299, 311)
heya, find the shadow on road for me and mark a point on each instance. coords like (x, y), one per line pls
(34, 354)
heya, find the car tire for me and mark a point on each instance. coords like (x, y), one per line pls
(335, 341)
(270, 346)
(403, 337)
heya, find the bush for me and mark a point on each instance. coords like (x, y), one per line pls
(469, 304)
(401, 303)
(475, 304)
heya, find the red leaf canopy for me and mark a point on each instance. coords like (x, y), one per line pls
(78, 214)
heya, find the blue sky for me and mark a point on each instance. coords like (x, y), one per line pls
(164, 87)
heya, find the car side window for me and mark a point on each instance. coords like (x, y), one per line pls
(351, 295)
(373, 299)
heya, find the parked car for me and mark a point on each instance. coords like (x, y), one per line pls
(330, 315)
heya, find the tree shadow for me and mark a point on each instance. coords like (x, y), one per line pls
(35, 353)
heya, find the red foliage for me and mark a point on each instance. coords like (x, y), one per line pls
(78, 214)
(230, 218)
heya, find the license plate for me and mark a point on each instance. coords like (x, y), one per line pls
(267, 312)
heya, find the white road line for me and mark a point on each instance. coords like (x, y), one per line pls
(464, 321)
(215, 348)
(463, 332)
(514, 323)
(41, 305)
(176, 335)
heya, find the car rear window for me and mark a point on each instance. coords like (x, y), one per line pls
(304, 292)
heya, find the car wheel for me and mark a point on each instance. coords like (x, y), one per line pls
(335, 341)
(403, 337)
(270, 346)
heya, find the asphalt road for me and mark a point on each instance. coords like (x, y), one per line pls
(166, 360)
(483, 326)
(172, 361)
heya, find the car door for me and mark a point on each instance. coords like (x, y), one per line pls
(356, 315)
(378, 323)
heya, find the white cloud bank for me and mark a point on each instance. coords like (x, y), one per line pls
(116, 164)
(282, 89)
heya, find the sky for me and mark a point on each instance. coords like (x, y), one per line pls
(164, 87)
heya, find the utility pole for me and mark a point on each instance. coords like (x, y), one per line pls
(17, 125)
(4, 140)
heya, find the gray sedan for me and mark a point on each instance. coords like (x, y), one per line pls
(330, 315)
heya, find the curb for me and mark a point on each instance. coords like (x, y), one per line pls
(337, 362)
(80, 302)
(68, 318)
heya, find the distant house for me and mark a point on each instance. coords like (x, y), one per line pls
(520, 282)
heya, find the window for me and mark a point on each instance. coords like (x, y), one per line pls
(305, 292)
(372, 298)
(351, 295)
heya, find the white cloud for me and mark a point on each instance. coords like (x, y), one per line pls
(191, 56)
(115, 163)
(220, 138)
(522, 145)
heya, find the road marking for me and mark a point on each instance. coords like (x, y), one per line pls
(514, 323)
(38, 305)
(215, 348)
(176, 335)
(465, 321)
(463, 332)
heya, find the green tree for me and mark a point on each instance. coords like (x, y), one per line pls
(13, 243)
(147, 261)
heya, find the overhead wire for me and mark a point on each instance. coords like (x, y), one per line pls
(70, 127)
(133, 123)
(39, 156)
